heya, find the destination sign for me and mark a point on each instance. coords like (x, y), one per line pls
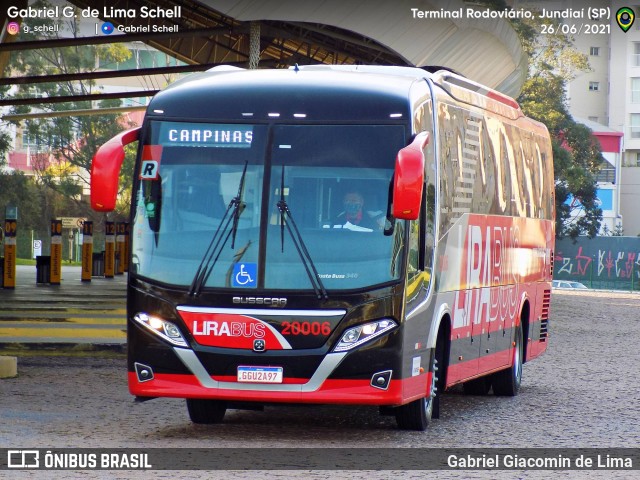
(205, 135)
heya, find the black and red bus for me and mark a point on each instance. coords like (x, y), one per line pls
(333, 235)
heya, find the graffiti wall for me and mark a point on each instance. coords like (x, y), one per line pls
(602, 262)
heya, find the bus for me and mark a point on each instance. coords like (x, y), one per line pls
(356, 235)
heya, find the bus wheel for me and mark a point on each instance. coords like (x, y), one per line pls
(507, 382)
(206, 411)
(417, 415)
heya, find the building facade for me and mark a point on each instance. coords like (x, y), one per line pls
(607, 100)
(624, 113)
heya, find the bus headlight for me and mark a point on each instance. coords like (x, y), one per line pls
(164, 329)
(363, 333)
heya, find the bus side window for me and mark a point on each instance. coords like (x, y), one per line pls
(413, 267)
(429, 233)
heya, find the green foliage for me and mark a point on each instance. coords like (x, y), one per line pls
(19, 190)
(584, 148)
(5, 137)
(37, 206)
(70, 140)
(126, 179)
(543, 98)
(551, 52)
(617, 231)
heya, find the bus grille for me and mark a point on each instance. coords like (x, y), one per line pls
(544, 318)
(551, 267)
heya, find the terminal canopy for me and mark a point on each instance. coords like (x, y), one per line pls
(485, 50)
(285, 32)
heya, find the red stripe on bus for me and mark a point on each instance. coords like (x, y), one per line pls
(353, 392)
(489, 363)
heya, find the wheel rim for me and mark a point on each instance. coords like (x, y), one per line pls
(517, 360)
(433, 390)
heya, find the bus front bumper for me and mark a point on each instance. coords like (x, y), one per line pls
(380, 389)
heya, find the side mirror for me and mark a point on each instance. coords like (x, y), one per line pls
(409, 179)
(105, 170)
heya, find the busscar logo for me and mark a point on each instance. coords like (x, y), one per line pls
(269, 301)
(23, 459)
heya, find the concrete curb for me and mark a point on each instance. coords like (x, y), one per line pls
(61, 349)
(8, 367)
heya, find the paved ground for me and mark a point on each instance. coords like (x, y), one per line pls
(72, 313)
(582, 393)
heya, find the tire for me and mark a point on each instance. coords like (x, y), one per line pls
(206, 412)
(417, 415)
(507, 382)
(479, 386)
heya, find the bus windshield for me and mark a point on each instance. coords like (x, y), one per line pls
(212, 195)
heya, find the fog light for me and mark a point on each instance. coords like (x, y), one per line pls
(381, 380)
(143, 372)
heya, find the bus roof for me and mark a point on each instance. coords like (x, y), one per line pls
(319, 94)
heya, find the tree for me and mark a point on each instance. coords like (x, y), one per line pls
(5, 137)
(36, 207)
(618, 231)
(16, 189)
(68, 141)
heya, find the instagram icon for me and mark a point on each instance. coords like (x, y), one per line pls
(13, 28)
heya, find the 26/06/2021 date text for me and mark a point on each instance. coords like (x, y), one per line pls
(576, 29)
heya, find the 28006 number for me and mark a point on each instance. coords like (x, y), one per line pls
(306, 328)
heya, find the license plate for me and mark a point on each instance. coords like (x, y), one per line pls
(259, 374)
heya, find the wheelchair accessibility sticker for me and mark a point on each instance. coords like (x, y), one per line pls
(245, 275)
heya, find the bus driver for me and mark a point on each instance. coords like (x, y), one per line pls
(355, 214)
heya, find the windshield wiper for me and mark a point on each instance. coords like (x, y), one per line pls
(220, 238)
(287, 219)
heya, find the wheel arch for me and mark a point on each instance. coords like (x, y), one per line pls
(444, 337)
(441, 331)
(525, 321)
